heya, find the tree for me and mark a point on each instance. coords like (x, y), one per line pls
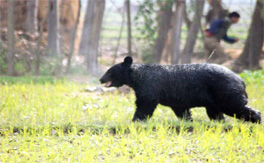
(31, 17)
(10, 52)
(73, 39)
(216, 11)
(129, 38)
(92, 30)
(62, 28)
(31, 26)
(38, 57)
(87, 26)
(164, 19)
(119, 36)
(186, 18)
(177, 30)
(193, 32)
(249, 59)
(94, 41)
(53, 28)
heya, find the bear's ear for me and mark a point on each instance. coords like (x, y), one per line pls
(128, 61)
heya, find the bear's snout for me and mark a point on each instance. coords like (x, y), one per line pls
(105, 79)
(102, 80)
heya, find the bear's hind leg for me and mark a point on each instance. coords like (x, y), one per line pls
(183, 113)
(245, 113)
(214, 114)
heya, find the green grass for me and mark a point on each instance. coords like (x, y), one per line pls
(30, 80)
(54, 120)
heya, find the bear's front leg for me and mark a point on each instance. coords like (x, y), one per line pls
(145, 109)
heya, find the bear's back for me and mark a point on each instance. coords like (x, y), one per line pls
(158, 73)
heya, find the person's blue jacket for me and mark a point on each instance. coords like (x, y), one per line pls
(218, 29)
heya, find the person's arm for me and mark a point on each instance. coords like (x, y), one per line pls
(219, 29)
(230, 39)
(223, 32)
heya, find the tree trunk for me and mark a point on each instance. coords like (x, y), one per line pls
(92, 43)
(87, 26)
(186, 18)
(98, 21)
(73, 39)
(53, 28)
(249, 59)
(10, 52)
(32, 16)
(62, 29)
(193, 32)
(164, 19)
(177, 30)
(38, 57)
(0, 31)
(216, 11)
(119, 36)
(129, 38)
(217, 8)
(31, 26)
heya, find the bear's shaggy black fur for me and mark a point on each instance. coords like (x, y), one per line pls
(182, 87)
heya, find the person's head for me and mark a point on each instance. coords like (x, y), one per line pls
(234, 16)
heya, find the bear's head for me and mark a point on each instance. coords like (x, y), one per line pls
(118, 74)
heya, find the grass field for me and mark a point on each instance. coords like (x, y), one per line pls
(53, 120)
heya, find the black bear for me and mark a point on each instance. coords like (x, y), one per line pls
(182, 87)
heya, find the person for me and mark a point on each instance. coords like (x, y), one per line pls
(218, 31)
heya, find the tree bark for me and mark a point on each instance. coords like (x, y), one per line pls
(249, 59)
(129, 38)
(62, 29)
(94, 42)
(53, 28)
(95, 19)
(216, 11)
(87, 27)
(31, 27)
(0, 30)
(38, 55)
(177, 30)
(119, 36)
(11, 41)
(164, 19)
(186, 18)
(73, 39)
(32, 16)
(193, 32)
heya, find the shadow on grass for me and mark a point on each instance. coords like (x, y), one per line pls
(188, 127)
